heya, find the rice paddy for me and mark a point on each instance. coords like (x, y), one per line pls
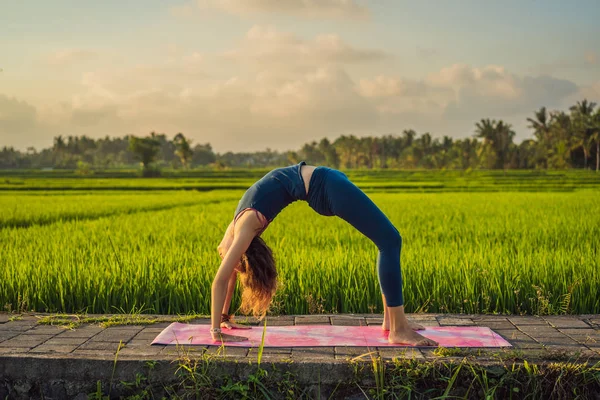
(503, 250)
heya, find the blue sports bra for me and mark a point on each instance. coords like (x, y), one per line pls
(273, 192)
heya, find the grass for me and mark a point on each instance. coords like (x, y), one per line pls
(240, 179)
(208, 376)
(514, 252)
(34, 209)
(474, 242)
(73, 321)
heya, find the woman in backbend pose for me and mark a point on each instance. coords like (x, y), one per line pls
(328, 192)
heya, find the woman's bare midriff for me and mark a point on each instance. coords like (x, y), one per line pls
(306, 171)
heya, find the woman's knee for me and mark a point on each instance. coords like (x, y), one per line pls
(392, 240)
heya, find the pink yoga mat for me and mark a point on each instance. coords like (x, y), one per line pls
(328, 335)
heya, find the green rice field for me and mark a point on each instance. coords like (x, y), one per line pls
(480, 243)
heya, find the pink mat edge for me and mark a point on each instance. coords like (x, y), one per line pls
(495, 335)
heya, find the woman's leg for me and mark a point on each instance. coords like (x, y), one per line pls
(386, 318)
(352, 205)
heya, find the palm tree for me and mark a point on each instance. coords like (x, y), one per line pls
(183, 149)
(485, 129)
(59, 143)
(398, 150)
(404, 149)
(541, 130)
(560, 133)
(466, 152)
(526, 154)
(503, 143)
(583, 107)
(383, 151)
(364, 154)
(423, 150)
(408, 135)
(59, 149)
(540, 125)
(581, 117)
(376, 152)
(497, 137)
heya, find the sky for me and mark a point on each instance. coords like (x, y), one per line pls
(246, 75)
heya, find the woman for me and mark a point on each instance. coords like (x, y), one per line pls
(328, 192)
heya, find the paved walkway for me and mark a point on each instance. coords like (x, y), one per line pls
(550, 337)
(51, 362)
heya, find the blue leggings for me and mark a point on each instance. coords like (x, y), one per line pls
(334, 194)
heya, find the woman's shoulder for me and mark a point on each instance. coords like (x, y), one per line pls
(250, 218)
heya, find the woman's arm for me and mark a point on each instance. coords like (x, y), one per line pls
(230, 324)
(232, 280)
(223, 248)
(244, 233)
(230, 289)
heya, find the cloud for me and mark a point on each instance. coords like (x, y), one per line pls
(457, 85)
(452, 99)
(304, 97)
(396, 97)
(283, 108)
(175, 72)
(493, 90)
(66, 57)
(16, 117)
(267, 47)
(318, 9)
(491, 80)
(243, 114)
(387, 87)
(233, 114)
(20, 125)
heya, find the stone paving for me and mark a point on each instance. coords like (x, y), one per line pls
(52, 362)
(573, 338)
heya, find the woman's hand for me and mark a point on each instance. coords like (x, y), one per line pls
(234, 325)
(224, 337)
(226, 322)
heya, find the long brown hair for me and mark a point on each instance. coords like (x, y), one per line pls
(258, 277)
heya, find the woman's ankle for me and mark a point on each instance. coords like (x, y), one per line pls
(397, 319)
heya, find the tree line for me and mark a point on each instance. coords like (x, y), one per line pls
(561, 139)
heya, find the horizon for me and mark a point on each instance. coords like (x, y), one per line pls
(247, 76)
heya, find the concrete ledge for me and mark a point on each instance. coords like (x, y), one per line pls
(41, 361)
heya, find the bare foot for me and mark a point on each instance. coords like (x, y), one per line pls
(413, 325)
(411, 338)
